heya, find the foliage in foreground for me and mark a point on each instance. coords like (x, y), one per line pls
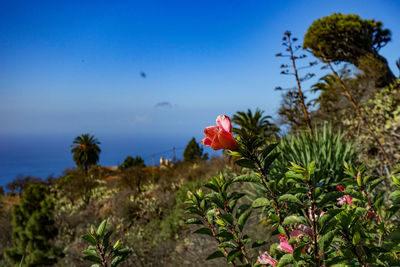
(319, 218)
(101, 251)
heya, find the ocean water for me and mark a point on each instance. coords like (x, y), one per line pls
(44, 155)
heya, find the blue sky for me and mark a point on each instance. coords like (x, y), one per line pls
(74, 66)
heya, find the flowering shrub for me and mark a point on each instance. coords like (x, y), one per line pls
(318, 221)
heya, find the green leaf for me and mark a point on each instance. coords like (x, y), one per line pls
(233, 254)
(116, 260)
(242, 209)
(260, 202)
(243, 218)
(293, 219)
(227, 244)
(268, 149)
(270, 159)
(251, 178)
(374, 184)
(212, 186)
(281, 230)
(124, 251)
(90, 238)
(92, 258)
(326, 240)
(290, 198)
(90, 252)
(394, 194)
(203, 231)
(193, 221)
(106, 239)
(101, 228)
(215, 255)
(227, 217)
(356, 238)
(225, 235)
(297, 252)
(329, 215)
(245, 163)
(286, 259)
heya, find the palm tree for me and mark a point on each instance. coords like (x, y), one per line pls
(329, 95)
(254, 124)
(86, 151)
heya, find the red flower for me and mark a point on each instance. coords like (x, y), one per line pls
(339, 188)
(220, 136)
(345, 199)
(284, 244)
(265, 259)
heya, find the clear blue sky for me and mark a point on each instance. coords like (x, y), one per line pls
(69, 67)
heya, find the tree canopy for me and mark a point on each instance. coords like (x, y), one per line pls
(86, 151)
(34, 229)
(193, 151)
(132, 162)
(347, 38)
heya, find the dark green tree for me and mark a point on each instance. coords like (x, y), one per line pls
(349, 38)
(33, 229)
(193, 152)
(132, 162)
(86, 151)
(254, 124)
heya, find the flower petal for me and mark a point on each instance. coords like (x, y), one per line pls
(285, 246)
(224, 122)
(216, 144)
(206, 141)
(227, 141)
(211, 131)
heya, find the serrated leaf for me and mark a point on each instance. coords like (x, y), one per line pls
(227, 244)
(243, 218)
(293, 219)
(260, 202)
(101, 228)
(290, 198)
(203, 231)
(250, 178)
(90, 238)
(215, 255)
(92, 258)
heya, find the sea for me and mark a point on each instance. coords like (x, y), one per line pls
(49, 155)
